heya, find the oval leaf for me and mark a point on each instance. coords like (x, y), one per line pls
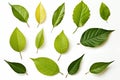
(74, 66)
(81, 14)
(46, 66)
(17, 67)
(40, 13)
(99, 67)
(58, 15)
(39, 39)
(17, 40)
(104, 11)
(94, 37)
(61, 43)
(20, 13)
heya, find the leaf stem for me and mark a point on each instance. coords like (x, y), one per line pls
(61, 73)
(9, 4)
(37, 51)
(52, 30)
(38, 25)
(78, 43)
(59, 57)
(66, 75)
(20, 55)
(26, 73)
(86, 73)
(75, 30)
(28, 25)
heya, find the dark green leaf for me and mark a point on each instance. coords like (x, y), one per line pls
(104, 11)
(46, 66)
(99, 67)
(74, 66)
(94, 37)
(81, 14)
(17, 67)
(58, 15)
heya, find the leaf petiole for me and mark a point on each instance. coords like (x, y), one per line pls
(20, 55)
(66, 76)
(59, 57)
(75, 30)
(28, 25)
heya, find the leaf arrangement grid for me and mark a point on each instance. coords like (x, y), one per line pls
(92, 38)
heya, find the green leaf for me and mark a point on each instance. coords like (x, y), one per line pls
(61, 43)
(39, 39)
(99, 67)
(17, 67)
(104, 11)
(95, 37)
(20, 13)
(17, 40)
(81, 14)
(58, 15)
(46, 66)
(74, 66)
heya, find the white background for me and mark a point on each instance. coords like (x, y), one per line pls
(108, 52)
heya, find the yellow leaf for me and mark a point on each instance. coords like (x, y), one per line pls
(40, 14)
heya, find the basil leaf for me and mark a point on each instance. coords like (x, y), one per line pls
(61, 43)
(94, 37)
(46, 66)
(58, 15)
(40, 14)
(81, 14)
(17, 41)
(98, 67)
(17, 67)
(20, 13)
(74, 66)
(39, 39)
(104, 11)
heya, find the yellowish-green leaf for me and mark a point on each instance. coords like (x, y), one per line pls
(17, 40)
(39, 39)
(61, 43)
(46, 66)
(40, 14)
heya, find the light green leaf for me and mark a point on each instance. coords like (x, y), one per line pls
(46, 66)
(74, 66)
(17, 40)
(58, 15)
(39, 39)
(95, 37)
(61, 43)
(17, 67)
(20, 13)
(104, 11)
(81, 14)
(40, 14)
(99, 67)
